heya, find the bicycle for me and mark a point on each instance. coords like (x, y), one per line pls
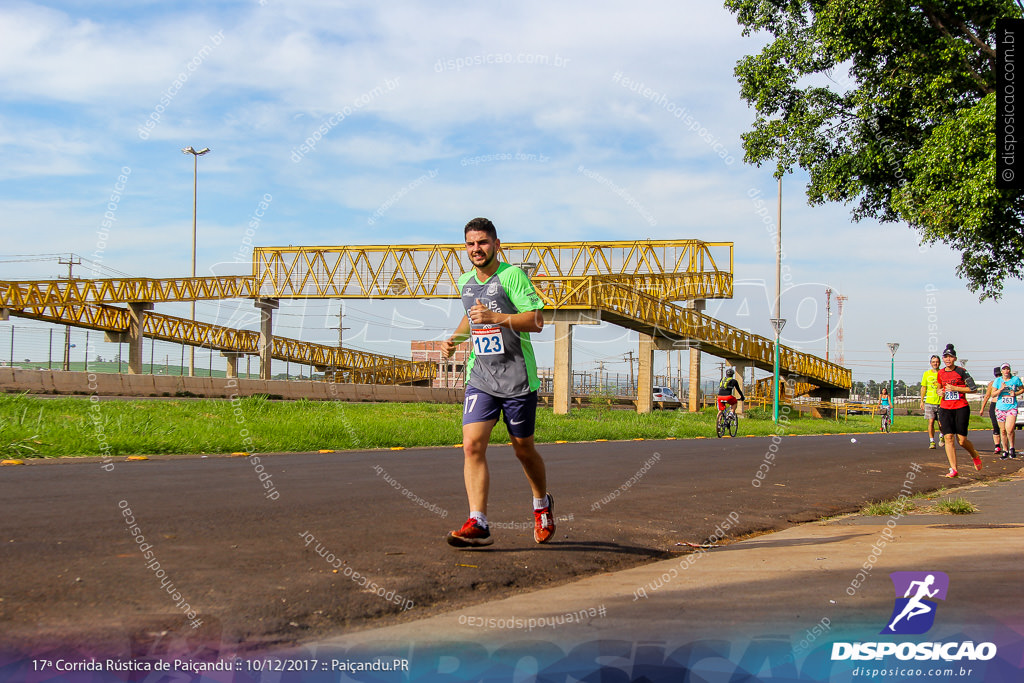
(886, 421)
(728, 422)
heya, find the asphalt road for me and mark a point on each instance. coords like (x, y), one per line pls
(230, 554)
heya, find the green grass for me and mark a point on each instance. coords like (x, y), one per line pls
(887, 508)
(954, 506)
(56, 427)
(957, 506)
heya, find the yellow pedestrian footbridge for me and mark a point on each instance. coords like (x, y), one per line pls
(635, 284)
(345, 365)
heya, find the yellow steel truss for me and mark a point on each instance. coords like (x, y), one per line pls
(20, 295)
(763, 387)
(345, 364)
(632, 282)
(674, 269)
(623, 305)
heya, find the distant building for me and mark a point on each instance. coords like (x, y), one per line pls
(450, 371)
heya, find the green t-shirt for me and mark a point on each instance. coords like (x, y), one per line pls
(930, 383)
(501, 362)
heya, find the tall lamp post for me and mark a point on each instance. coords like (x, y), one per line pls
(778, 322)
(195, 192)
(892, 380)
(777, 325)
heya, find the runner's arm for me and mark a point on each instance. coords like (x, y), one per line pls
(460, 335)
(965, 386)
(984, 400)
(527, 321)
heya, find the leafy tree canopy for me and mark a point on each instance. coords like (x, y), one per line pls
(889, 106)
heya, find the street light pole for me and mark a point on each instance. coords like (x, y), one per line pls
(892, 381)
(195, 195)
(777, 325)
(778, 322)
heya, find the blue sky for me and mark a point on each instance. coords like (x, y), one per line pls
(395, 123)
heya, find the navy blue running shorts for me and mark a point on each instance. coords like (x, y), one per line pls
(519, 412)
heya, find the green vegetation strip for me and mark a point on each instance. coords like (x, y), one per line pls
(32, 427)
(957, 506)
(902, 506)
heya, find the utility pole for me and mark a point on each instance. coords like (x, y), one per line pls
(828, 317)
(629, 358)
(341, 331)
(840, 300)
(71, 262)
(341, 324)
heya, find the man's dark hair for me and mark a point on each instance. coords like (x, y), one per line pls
(482, 225)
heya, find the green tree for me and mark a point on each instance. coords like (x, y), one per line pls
(889, 106)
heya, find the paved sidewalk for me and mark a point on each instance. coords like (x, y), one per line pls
(810, 584)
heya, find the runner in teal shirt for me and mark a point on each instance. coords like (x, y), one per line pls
(1005, 389)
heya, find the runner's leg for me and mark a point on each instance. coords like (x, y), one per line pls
(475, 437)
(968, 446)
(963, 417)
(533, 464)
(950, 446)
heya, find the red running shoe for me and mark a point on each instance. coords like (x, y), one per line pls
(471, 535)
(951, 474)
(544, 522)
(977, 463)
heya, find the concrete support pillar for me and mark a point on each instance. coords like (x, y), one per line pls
(266, 341)
(694, 403)
(562, 399)
(562, 379)
(645, 374)
(136, 324)
(741, 377)
(825, 411)
(232, 358)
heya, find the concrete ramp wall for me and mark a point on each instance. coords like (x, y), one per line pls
(18, 380)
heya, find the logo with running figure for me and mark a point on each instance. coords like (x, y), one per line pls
(914, 612)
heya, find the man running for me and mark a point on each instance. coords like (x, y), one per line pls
(930, 397)
(726, 388)
(502, 309)
(954, 412)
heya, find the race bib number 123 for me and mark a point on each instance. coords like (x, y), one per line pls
(487, 341)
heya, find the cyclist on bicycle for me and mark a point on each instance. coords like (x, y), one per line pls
(726, 388)
(884, 404)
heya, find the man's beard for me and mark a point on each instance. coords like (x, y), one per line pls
(487, 262)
